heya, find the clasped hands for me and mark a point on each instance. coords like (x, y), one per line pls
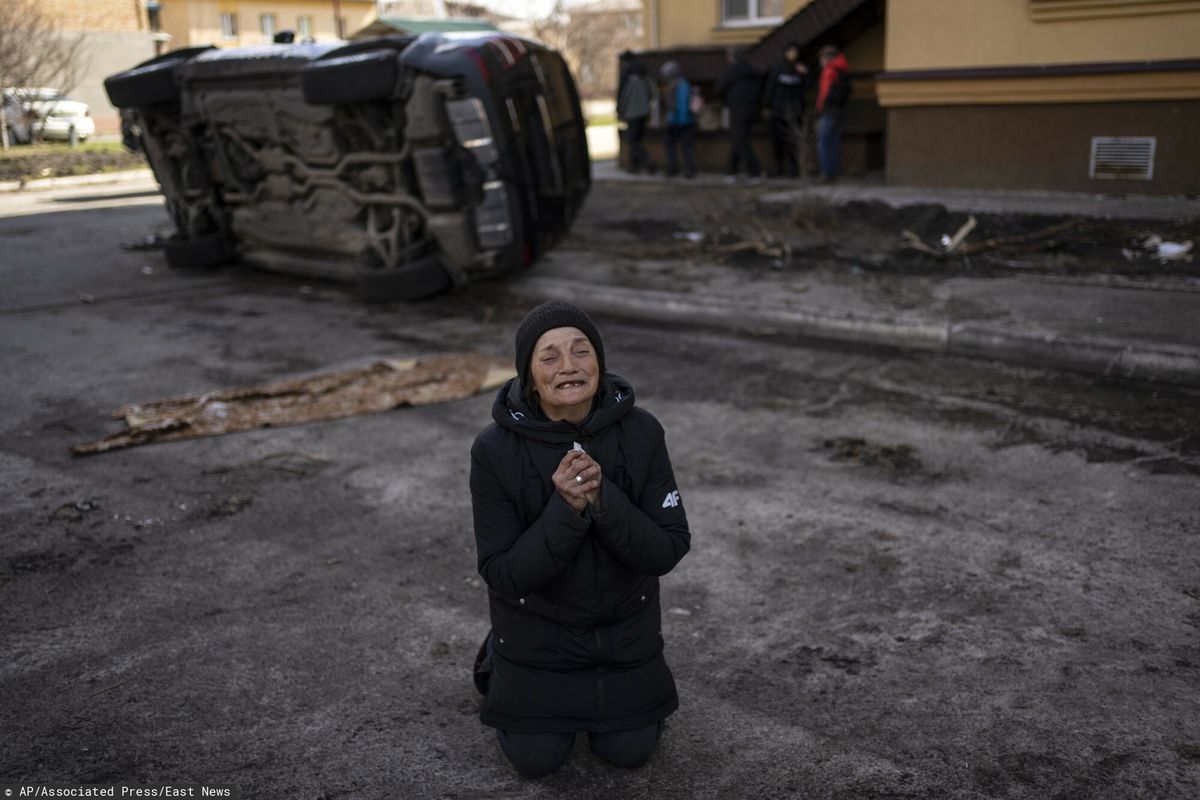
(577, 480)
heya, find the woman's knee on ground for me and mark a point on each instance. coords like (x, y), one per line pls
(536, 755)
(626, 748)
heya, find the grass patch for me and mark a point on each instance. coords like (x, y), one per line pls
(602, 119)
(53, 160)
(51, 149)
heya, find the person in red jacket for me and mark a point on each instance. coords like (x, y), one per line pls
(833, 89)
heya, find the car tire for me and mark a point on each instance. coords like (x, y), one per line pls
(416, 280)
(151, 82)
(204, 252)
(358, 78)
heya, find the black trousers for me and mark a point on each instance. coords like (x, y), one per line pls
(634, 134)
(538, 754)
(787, 125)
(683, 137)
(740, 147)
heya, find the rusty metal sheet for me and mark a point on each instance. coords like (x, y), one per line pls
(381, 386)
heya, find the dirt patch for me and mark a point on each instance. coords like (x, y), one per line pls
(24, 164)
(1004, 243)
(893, 458)
(653, 222)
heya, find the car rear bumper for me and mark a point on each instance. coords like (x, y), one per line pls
(59, 128)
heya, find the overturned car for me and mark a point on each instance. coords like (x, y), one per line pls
(407, 165)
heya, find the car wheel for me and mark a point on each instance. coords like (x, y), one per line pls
(358, 78)
(151, 82)
(203, 252)
(417, 280)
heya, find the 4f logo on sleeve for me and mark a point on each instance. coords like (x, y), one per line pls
(671, 500)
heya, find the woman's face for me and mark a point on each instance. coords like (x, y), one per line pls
(565, 373)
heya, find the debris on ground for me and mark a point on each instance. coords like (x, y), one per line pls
(948, 245)
(1167, 251)
(890, 457)
(381, 386)
(863, 236)
(957, 245)
(727, 245)
(721, 244)
(73, 512)
(153, 241)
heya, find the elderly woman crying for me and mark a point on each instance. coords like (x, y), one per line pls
(576, 516)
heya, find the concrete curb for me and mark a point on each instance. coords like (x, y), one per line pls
(1132, 360)
(76, 180)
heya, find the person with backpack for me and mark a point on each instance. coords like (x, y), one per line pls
(785, 100)
(678, 102)
(740, 89)
(633, 108)
(832, 92)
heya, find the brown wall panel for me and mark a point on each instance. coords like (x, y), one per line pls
(1040, 146)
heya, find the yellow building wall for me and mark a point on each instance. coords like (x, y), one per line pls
(942, 34)
(109, 16)
(684, 23)
(198, 22)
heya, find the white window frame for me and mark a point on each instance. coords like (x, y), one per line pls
(262, 25)
(304, 26)
(752, 18)
(229, 25)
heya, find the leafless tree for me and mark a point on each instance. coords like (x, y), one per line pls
(591, 36)
(34, 52)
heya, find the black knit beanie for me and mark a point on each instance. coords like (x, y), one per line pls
(546, 317)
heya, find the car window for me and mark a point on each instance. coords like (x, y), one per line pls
(552, 75)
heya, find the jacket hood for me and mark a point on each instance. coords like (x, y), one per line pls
(840, 63)
(614, 399)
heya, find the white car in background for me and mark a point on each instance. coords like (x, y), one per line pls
(47, 112)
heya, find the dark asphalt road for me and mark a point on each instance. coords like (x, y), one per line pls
(993, 594)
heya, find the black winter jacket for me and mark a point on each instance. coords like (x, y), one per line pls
(574, 597)
(740, 88)
(785, 89)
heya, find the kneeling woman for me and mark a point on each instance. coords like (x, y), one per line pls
(576, 515)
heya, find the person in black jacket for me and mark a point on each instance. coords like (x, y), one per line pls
(740, 89)
(576, 516)
(785, 99)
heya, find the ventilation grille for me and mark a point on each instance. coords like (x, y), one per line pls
(1126, 157)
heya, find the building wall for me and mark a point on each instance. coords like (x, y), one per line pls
(679, 23)
(106, 53)
(109, 16)
(1009, 93)
(194, 23)
(114, 36)
(932, 34)
(1039, 146)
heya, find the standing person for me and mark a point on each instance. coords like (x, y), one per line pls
(785, 99)
(740, 89)
(576, 513)
(833, 90)
(681, 122)
(633, 108)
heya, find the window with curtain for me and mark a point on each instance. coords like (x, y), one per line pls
(266, 24)
(304, 27)
(229, 26)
